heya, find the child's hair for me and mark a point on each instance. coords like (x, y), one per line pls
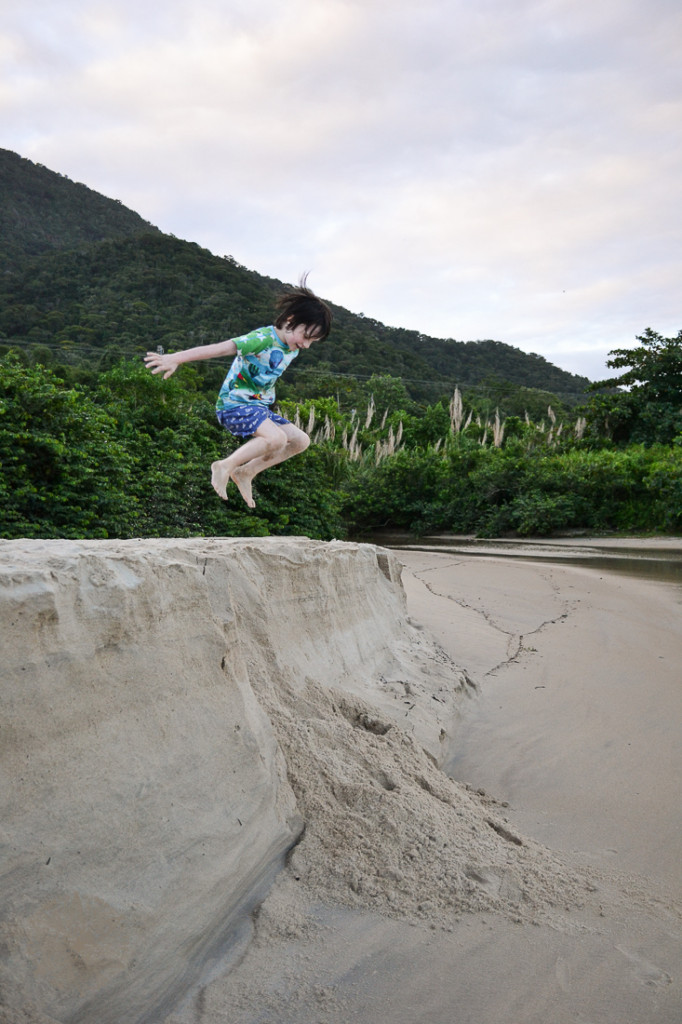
(301, 306)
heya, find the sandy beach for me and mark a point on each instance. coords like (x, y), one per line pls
(573, 736)
(259, 781)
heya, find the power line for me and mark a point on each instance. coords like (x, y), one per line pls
(441, 384)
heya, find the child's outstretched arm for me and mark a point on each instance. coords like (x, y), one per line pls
(168, 364)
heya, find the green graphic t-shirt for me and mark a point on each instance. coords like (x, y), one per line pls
(261, 359)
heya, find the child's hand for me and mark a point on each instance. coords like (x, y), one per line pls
(166, 364)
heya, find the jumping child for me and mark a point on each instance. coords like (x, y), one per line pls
(248, 392)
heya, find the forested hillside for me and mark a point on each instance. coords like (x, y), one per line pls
(41, 210)
(87, 279)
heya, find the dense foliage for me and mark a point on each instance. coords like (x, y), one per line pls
(129, 455)
(129, 458)
(650, 410)
(522, 491)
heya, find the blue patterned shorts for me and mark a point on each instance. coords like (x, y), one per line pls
(244, 420)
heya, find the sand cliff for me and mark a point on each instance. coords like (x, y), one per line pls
(151, 693)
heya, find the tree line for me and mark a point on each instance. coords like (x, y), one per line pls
(116, 452)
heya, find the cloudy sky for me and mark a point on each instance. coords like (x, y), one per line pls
(507, 169)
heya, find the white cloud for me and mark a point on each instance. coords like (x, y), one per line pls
(471, 170)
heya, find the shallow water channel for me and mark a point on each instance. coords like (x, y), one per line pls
(658, 559)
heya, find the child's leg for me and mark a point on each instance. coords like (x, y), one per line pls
(296, 442)
(268, 440)
(272, 443)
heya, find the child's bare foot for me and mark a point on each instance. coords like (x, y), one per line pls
(244, 485)
(219, 478)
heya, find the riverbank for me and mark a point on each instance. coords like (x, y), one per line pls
(573, 739)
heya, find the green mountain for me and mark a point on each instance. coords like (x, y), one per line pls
(41, 211)
(88, 280)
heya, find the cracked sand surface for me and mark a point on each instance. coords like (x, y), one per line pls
(498, 614)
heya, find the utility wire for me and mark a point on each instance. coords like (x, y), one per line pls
(440, 384)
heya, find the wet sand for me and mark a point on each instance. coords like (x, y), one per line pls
(578, 720)
(575, 726)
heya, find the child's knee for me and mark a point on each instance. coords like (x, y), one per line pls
(298, 441)
(276, 443)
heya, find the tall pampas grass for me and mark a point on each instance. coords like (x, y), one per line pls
(456, 412)
(498, 430)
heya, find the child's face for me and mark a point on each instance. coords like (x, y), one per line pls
(299, 337)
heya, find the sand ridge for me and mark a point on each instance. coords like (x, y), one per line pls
(146, 796)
